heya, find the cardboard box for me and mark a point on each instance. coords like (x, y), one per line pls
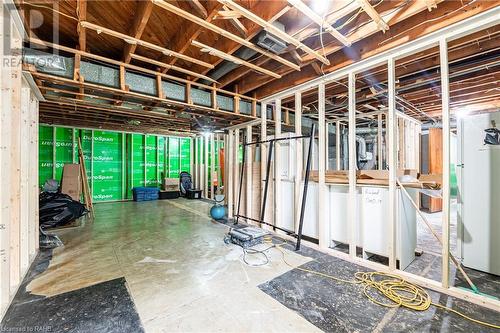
(170, 184)
(71, 183)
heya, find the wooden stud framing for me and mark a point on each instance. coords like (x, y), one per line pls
(176, 10)
(445, 103)
(277, 164)
(248, 171)
(299, 159)
(380, 160)
(159, 87)
(206, 174)
(471, 25)
(263, 151)
(236, 168)
(212, 166)
(229, 166)
(391, 128)
(352, 214)
(323, 226)
(337, 144)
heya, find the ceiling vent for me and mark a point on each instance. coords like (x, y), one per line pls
(271, 42)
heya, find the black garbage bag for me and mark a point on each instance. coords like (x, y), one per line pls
(58, 209)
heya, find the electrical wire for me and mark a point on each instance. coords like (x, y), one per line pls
(395, 289)
(53, 10)
(426, 21)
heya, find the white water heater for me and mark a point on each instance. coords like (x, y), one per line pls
(479, 194)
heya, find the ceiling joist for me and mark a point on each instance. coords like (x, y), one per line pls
(229, 57)
(368, 8)
(132, 40)
(274, 30)
(304, 9)
(210, 26)
(172, 67)
(144, 10)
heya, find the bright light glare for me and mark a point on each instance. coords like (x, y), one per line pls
(320, 6)
(463, 112)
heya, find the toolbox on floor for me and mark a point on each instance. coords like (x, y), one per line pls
(145, 193)
(169, 194)
(193, 194)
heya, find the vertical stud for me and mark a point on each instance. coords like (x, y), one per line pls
(352, 166)
(445, 118)
(391, 126)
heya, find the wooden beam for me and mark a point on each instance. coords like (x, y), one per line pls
(237, 24)
(181, 42)
(368, 8)
(198, 7)
(56, 79)
(133, 40)
(172, 67)
(210, 50)
(141, 18)
(176, 10)
(133, 67)
(274, 30)
(81, 13)
(304, 9)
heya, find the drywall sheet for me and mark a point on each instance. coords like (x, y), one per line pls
(151, 161)
(107, 166)
(64, 149)
(45, 157)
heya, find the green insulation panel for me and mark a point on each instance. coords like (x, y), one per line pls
(138, 160)
(107, 166)
(173, 157)
(151, 161)
(115, 162)
(86, 140)
(64, 149)
(185, 150)
(46, 155)
(161, 163)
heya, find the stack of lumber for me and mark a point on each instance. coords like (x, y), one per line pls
(381, 178)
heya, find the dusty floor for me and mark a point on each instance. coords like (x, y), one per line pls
(162, 266)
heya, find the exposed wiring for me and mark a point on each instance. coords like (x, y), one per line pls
(394, 288)
(426, 21)
(52, 9)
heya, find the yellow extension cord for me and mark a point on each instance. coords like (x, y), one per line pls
(396, 289)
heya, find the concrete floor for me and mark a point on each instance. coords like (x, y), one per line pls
(162, 266)
(180, 274)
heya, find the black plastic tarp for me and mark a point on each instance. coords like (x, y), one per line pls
(57, 209)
